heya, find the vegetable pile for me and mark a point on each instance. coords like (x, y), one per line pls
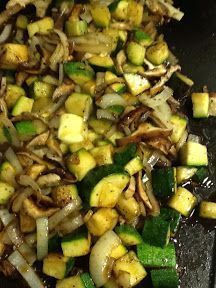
(94, 148)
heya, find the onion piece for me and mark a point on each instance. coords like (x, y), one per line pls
(104, 114)
(153, 159)
(108, 100)
(158, 99)
(194, 138)
(12, 130)
(10, 155)
(6, 217)
(69, 225)
(5, 34)
(42, 237)
(17, 260)
(56, 218)
(27, 252)
(26, 180)
(185, 79)
(100, 255)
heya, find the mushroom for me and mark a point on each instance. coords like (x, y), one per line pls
(160, 84)
(54, 145)
(65, 175)
(36, 212)
(27, 223)
(161, 143)
(145, 131)
(63, 90)
(155, 72)
(141, 191)
(39, 140)
(120, 61)
(134, 117)
(35, 158)
(49, 180)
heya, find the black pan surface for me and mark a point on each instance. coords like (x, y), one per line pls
(193, 41)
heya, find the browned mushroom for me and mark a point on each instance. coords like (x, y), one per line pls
(49, 180)
(65, 175)
(35, 158)
(36, 212)
(64, 89)
(39, 140)
(161, 143)
(134, 117)
(155, 72)
(142, 192)
(145, 131)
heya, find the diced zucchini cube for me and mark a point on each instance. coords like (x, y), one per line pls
(57, 265)
(184, 173)
(72, 128)
(42, 26)
(80, 163)
(183, 201)
(14, 54)
(13, 93)
(157, 257)
(200, 175)
(23, 104)
(103, 154)
(40, 89)
(171, 216)
(79, 281)
(100, 126)
(135, 53)
(156, 231)
(76, 244)
(22, 22)
(129, 208)
(76, 27)
(179, 125)
(143, 38)
(78, 72)
(26, 128)
(193, 154)
(89, 87)
(131, 68)
(128, 234)
(200, 103)
(6, 191)
(101, 63)
(207, 210)
(102, 220)
(130, 264)
(136, 83)
(135, 13)
(134, 165)
(157, 53)
(101, 15)
(115, 136)
(164, 182)
(64, 194)
(119, 9)
(7, 172)
(165, 278)
(79, 104)
(118, 251)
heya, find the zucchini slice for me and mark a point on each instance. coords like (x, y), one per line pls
(189, 154)
(157, 257)
(101, 63)
(165, 278)
(171, 216)
(103, 185)
(207, 210)
(128, 234)
(123, 156)
(200, 103)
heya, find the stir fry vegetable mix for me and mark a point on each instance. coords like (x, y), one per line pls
(89, 130)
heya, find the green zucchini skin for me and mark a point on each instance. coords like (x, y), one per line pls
(200, 175)
(157, 257)
(92, 178)
(124, 156)
(156, 231)
(163, 182)
(171, 216)
(128, 234)
(87, 280)
(165, 278)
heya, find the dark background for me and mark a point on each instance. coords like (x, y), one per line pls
(193, 41)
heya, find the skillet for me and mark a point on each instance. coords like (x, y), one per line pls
(193, 41)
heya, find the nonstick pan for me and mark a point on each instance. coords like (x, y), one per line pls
(193, 41)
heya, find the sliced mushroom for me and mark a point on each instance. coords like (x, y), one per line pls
(36, 212)
(155, 72)
(145, 131)
(65, 175)
(63, 90)
(161, 143)
(160, 84)
(54, 145)
(35, 158)
(28, 116)
(39, 140)
(131, 188)
(27, 223)
(142, 192)
(134, 117)
(49, 180)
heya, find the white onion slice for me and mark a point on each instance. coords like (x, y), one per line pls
(157, 100)
(100, 255)
(14, 161)
(42, 237)
(56, 218)
(26, 180)
(69, 225)
(108, 100)
(194, 138)
(17, 260)
(104, 114)
(28, 253)
(6, 217)
(5, 33)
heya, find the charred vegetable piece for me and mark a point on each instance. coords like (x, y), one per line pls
(193, 154)
(200, 103)
(157, 257)
(128, 234)
(164, 182)
(57, 265)
(156, 231)
(77, 243)
(103, 185)
(183, 201)
(165, 278)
